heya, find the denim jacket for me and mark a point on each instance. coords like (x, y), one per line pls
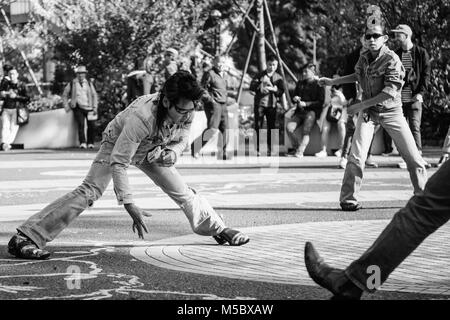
(384, 74)
(133, 133)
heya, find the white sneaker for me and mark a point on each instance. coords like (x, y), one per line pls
(343, 163)
(321, 154)
(298, 154)
(83, 146)
(90, 146)
(338, 153)
(6, 146)
(402, 165)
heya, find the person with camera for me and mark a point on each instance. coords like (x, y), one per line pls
(14, 94)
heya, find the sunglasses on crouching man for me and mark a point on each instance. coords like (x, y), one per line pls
(375, 36)
(183, 111)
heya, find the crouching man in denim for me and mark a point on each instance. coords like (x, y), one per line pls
(150, 134)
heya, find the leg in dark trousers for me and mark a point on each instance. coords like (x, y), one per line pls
(90, 132)
(271, 116)
(349, 131)
(413, 114)
(259, 122)
(223, 127)
(387, 140)
(80, 118)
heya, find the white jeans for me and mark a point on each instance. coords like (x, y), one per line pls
(9, 125)
(395, 124)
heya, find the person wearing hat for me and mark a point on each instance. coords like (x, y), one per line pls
(150, 134)
(416, 61)
(80, 96)
(380, 73)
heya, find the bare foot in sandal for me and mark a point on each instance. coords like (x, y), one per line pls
(233, 237)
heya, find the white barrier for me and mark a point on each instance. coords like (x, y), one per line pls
(53, 129)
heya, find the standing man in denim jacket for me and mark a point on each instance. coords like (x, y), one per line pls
(150, 134)
(380, 74)
(417, 65)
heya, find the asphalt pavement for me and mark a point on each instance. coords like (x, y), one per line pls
(279, 202)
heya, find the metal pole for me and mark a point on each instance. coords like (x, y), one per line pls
(261, 36)
(247, 62)
(286, 88)
(33, 76)
(291, 74)
(314, 49)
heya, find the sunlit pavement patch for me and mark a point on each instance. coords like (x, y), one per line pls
(275, 254)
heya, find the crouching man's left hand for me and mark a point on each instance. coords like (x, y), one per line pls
(167, 158)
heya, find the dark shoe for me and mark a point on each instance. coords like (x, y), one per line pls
(332, 279)
(443, 158)
(22, 247)
(428, 165)
(233, 237)
(350, 206)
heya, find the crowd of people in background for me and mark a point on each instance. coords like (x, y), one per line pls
(313, 105)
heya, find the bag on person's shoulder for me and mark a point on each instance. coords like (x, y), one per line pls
(23, 115)
(334, 114)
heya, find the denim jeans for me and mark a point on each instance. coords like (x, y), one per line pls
(9, 125)
(349, 132)
(271, 116)
(413, 114)
(45, 225)
(395, 124)
(422, 215)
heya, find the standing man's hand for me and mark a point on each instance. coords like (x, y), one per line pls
(137, 214)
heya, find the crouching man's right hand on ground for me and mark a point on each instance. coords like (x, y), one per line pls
(137, 214)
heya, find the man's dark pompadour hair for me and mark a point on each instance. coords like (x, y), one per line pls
(182, 84)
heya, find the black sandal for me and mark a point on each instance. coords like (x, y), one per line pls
(233, 237)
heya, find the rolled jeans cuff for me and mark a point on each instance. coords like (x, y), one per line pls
(34, 234)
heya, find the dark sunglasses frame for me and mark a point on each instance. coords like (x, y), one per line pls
(183, 111)
(375, 36)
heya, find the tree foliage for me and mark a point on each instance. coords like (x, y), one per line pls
(113, 37)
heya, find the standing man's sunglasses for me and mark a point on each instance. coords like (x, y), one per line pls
(375, 36)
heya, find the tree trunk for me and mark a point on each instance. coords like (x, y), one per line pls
(261, 38)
